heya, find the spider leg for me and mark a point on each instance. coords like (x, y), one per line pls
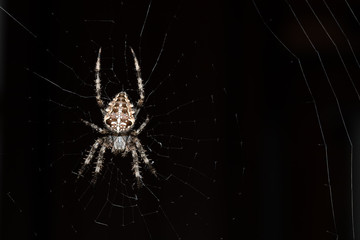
(90, 156)
(99, 163)
(139, 79)
(98, 81)
(127, 149)
(142, 126)
(136, 167)
(94, 126)
(143, 156)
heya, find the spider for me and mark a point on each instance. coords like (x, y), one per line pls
(119, 118)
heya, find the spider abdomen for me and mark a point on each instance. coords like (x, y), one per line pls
(119, 115)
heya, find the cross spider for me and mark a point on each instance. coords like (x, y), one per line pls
(119, 120)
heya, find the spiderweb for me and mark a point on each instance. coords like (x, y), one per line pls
(309, 71)
(253, 107)
(49, 88)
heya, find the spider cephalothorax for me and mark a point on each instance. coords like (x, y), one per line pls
(119, 120)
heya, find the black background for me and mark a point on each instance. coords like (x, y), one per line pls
(272, 175)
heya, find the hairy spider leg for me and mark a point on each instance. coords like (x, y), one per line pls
(90, 156)
(98, 82)
(136, 167)
(142, 126)
(99, 164)
(139, 80)
(95, 127)
(143, 156)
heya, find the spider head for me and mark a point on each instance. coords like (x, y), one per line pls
(119, 117)
(119, 143)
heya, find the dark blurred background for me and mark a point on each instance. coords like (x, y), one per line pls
(285, 102)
